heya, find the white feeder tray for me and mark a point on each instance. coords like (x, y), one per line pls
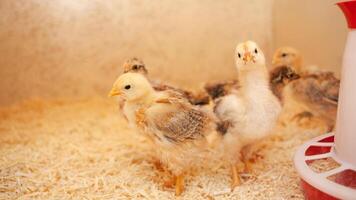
(320, 185)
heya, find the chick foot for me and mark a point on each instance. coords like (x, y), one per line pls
(158, 165)
(235, 178)
(170, 183)
(179, 184)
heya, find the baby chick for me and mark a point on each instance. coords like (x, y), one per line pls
(288, 56)
(178, 130)
(249, 113)
(136, 65)
(320, 93)
(318, 90)
(279, 78)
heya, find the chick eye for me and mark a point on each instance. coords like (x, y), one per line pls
(135, 67)
(256, 51)
(284, 54)
(127, 87)
(239, 55)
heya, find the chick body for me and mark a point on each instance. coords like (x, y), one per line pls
(252, 110)
(178, 130)
(316, 89)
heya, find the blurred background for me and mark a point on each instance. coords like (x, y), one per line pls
(75, 49)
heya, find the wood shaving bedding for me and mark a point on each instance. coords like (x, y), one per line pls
(84, 150)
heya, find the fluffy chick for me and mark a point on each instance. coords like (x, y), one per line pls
(279, 78)
(288, 56)
(316, 89)
(178, 130)
(249, 114)
(137, 66)
(320, 93)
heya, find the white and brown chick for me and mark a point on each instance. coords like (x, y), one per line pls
(318, 90)
(249, 113)
(178, 130)
(136, 65)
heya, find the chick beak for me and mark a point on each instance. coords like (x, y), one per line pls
(114, 92)
(248, 57)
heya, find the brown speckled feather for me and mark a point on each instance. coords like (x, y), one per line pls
(181, 123)
(221, 88)
(319, 91)
(321, 88)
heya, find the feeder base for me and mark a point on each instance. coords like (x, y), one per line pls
(338, 181)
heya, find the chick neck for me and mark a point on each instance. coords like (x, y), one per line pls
(144, 100)
(254, 82)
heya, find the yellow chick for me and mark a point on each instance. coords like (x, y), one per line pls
(248, 114)
(177, 129)
(288, 56)
(136, 65)
(316, 89)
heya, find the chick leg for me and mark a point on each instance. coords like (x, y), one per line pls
(245, 159)
(235, 177)
(179, 184)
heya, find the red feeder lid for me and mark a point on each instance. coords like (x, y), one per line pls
(349, 9)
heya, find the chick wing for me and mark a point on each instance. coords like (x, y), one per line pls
(321, 88)
(177, 120)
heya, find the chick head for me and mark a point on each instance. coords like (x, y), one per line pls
(131, 86)
(135, 65)
(287, 56)
(249, 56)
(283, 75)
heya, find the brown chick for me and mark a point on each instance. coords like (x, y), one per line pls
(178, 130)
(279, 78)
(221, 88)
(136, 65)
(318, 90)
